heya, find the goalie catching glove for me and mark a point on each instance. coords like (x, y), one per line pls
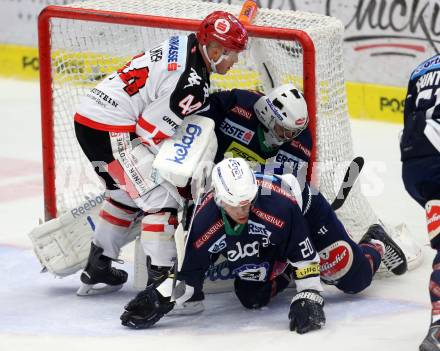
(306, 311)
(146, 309)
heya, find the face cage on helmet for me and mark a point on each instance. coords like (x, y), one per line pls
(285, 138)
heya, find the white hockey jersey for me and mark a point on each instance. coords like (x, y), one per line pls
(151, 94)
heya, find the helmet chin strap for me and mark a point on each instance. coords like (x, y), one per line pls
(212, 62)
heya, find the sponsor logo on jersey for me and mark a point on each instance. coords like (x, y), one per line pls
(284, 157)
(205, 200)
(336, 261)
(312, 270)
(219, 245)
(253, 272)
(174, 54)
(297, 145)
(156, 54)
(259, 229)
(237, 150)
(170, 121)
(100, 97)
(273, 187)
(193, 79)
(429, 79)
(236, 131)
(208, 234)
(271, 219)
(241, 112)
(192, 131)
(242, 251)
(220, 271)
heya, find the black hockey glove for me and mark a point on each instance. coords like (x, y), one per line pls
(146, 309)
(306, 311)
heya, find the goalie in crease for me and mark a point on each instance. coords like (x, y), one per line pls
(271, 231)
(121, 125)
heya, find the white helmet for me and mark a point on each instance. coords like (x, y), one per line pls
(234, 182)
(284, 106)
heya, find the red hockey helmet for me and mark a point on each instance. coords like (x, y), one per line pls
(223, 28)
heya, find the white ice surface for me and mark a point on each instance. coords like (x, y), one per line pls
(39, 312)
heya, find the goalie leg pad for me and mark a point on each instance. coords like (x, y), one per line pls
(112, 227)
(157, 236)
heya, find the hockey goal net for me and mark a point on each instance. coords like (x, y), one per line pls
(83, 42)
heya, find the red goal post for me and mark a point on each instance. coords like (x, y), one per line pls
(44, 38)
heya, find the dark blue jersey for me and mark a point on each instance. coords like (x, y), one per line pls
(421, 133)
(240, 134)
(276, 231)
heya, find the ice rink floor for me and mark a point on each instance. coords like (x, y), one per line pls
(39, 312)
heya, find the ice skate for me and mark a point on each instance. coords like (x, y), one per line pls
(99, 277)
(393, 259)
(432, 340)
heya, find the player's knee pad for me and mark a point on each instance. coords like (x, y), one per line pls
(157, 236)
(252, 294)
(432, 208)
(336, 261)
(112, 228)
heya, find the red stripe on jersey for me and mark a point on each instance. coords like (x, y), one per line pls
(156, 137)
(103, 127)
(146, 125)
(158, 228)
(114, 220)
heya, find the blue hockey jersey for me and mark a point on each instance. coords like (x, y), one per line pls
(421, 133)
(240, 134)
(275, 232)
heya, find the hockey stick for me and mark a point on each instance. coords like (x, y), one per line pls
(181, 240)
(350, 177)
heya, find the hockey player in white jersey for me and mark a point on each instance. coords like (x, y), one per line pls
(121, 124)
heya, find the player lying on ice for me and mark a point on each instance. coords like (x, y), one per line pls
(270, 131)
(271, 232)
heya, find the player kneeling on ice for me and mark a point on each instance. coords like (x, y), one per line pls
(259, 223)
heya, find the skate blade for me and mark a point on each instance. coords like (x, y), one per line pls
(187, 309)
(97, 289)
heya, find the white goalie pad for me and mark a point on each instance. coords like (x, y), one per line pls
(189, 152)
(62, 244)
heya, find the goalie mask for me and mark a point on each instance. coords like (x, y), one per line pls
(225, 29)
(283, 113)
(234, 182)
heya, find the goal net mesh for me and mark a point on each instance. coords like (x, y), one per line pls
(83, 52)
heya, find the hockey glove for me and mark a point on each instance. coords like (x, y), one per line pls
(306, 311)
(146, 309)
